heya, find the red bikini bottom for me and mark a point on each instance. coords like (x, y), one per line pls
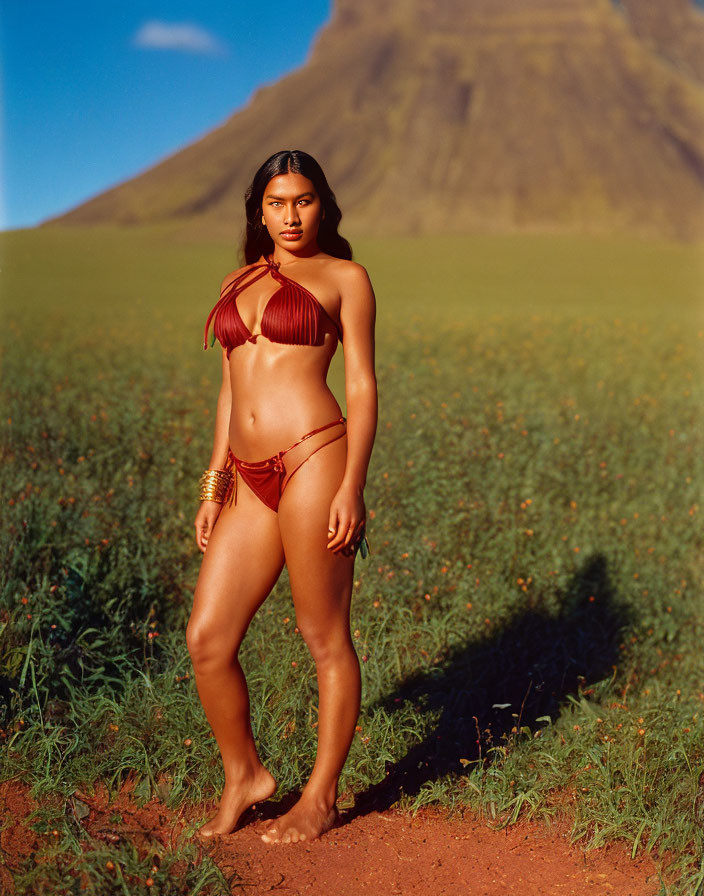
(268, 478)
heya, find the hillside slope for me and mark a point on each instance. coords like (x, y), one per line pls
(496, 115)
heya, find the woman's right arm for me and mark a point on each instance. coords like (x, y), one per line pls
(209, 511)
(221, 441)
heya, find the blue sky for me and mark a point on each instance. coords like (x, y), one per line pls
(95, 92)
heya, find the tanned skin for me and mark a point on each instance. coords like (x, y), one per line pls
(271, 395)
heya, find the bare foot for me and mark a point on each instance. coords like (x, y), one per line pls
(236, 797)
(305, 821)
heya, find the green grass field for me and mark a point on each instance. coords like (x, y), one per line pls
(529, 620)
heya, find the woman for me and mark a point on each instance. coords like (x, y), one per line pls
(279, 320)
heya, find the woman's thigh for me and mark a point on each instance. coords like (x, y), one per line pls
(240, 566)
(321, 580)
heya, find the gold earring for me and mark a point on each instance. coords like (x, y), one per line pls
(263, 221)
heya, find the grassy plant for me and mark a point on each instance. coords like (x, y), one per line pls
(529, 622)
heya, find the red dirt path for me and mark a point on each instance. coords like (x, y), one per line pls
(430, 855)
(389, 852)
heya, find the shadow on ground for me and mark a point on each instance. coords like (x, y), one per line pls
(532, 665)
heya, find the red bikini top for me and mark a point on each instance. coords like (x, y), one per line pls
(293, 315)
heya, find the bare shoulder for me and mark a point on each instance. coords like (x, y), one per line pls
(350, 275)
(228, 279)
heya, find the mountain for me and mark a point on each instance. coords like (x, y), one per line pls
(674, 28)
(461, 115)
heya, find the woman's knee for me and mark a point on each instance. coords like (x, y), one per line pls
(327, 644)
(208, 645)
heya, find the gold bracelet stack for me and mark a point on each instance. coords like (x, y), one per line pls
(216, 485)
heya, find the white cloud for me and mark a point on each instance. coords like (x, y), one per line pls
(184, 37)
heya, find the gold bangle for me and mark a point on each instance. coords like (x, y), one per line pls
(215, 485)
(212, 487)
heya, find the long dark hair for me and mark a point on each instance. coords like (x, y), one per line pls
(257, 241)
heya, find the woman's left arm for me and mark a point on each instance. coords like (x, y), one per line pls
(358, 317)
